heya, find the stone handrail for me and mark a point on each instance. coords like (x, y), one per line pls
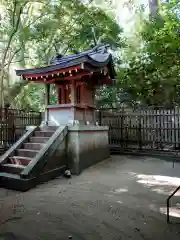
(41, 158)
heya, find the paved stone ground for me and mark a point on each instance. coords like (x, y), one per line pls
(118, 199)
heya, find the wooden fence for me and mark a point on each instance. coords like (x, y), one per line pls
(13, 124)
(158, 129)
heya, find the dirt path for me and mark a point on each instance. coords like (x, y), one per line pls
(122, 198)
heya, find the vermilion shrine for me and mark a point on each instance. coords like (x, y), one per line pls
(68, 138)
(76, 77)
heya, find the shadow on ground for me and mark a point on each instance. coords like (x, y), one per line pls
(121, 198)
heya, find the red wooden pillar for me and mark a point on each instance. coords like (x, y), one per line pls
(47, 100)
(59, 95)
(62, 94)
(67, 93)
(83, 99)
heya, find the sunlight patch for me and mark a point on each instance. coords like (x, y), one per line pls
(151, 180)
(173, 212)
(165, 191)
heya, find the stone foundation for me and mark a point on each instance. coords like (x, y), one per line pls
(87, 145)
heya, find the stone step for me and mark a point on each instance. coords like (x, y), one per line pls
(12, 168)
(48, 128)
(43, 133)
(33, 146)
(38, 139)
(9, 175)
(20, 160)
(26, 153)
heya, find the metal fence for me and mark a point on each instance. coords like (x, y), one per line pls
(13, 124)
(145, 129)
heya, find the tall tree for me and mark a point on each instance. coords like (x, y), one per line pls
(38, 33)
(152, 76)
(16, 20)
(153, 8)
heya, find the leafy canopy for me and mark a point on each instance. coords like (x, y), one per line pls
(153, 74)
(33, 32)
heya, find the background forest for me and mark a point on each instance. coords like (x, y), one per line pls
(146, 48)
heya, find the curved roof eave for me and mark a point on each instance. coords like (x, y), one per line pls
(77, 61)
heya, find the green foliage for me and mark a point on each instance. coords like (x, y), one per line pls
(153, 74)
(33, 32)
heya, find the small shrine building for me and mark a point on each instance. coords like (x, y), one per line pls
(76, 77)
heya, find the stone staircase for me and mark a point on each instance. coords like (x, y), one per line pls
(24, 155)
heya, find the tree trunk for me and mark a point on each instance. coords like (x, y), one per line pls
(153, 8)
(14, 31)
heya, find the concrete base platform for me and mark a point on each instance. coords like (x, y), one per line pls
(14, 182)
(87, 145)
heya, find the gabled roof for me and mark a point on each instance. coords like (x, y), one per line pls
(97, 57)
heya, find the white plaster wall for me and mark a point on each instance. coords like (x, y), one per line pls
(60, 116)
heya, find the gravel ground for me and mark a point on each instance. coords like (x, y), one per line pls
(120, 198)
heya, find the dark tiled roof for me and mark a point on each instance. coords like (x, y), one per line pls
(97, 56)
(101, 49)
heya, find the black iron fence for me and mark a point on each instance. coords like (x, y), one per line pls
(13, 124)
(143, 129)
